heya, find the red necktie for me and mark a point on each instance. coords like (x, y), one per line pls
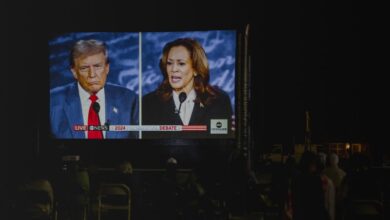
(93, 119)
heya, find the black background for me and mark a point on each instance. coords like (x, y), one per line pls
(305, 56)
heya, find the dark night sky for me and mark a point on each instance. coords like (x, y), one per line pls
(305, 55)
(311, 61)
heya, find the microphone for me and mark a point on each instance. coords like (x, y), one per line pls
(107, 123)
(96, 107)
(182, 98)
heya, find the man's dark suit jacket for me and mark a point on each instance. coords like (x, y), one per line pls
(156, 111)
(65, 111)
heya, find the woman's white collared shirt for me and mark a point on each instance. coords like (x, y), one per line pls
(186, 107)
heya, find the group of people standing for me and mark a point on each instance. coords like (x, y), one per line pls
(315, 189)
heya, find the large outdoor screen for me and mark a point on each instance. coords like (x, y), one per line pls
(143, 85)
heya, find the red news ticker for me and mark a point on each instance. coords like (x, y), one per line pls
(194, 127)
(80, 127)
(168, 128)
(183, 128)
(142, 128)
(90, 128)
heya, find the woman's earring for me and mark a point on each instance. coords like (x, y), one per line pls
(195, 74)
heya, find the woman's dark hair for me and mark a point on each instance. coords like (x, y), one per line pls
(204, 91)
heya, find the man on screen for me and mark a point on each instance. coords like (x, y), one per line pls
(90, 100)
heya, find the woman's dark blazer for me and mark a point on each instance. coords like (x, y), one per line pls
(156, 111)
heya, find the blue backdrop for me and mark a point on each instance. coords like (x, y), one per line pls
(220, 47)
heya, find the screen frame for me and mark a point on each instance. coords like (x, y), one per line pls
(167, 146)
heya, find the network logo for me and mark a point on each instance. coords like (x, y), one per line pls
(218, 126)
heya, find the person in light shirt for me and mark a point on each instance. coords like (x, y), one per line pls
(185, 96)
(73, 104)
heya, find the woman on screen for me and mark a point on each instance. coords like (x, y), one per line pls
(185, 96)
